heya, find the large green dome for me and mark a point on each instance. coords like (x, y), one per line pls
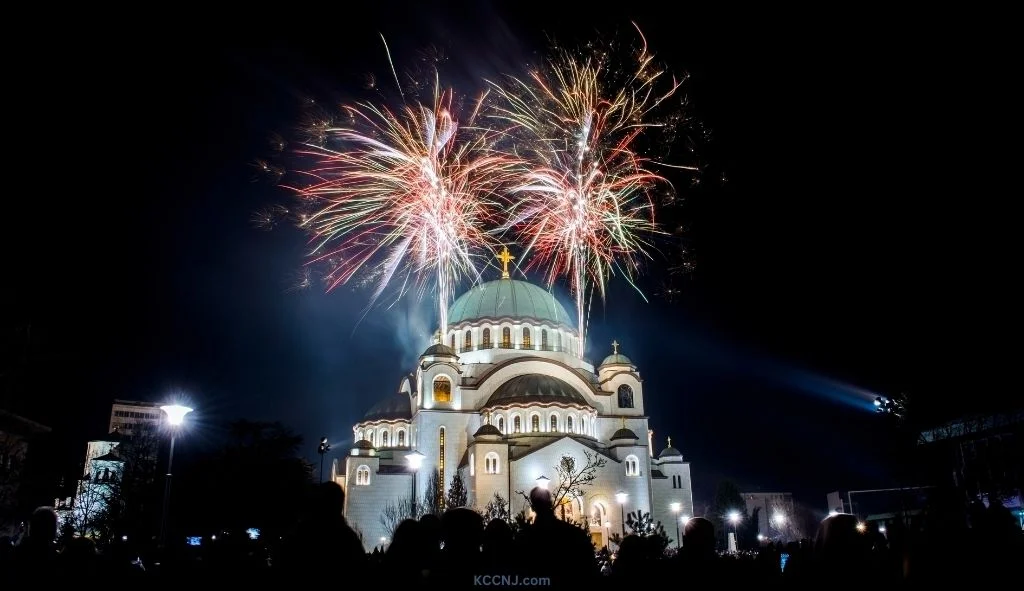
(507, 298)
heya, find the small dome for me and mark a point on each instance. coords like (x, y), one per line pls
(617, 359)
(536, 389)
(487, 430)
(363, 444)
(439, 350)
(508, 298)
(624, 434)
(396, 406)
(669, 452)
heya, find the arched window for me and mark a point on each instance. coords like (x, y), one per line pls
(526, 338)
(544, 339)
(369, 437)
(501, 424)
(558, 341)
(597, 515)
(517, 424)
(625, 396)
(362, 435)
(383, 438)
(554, 422)
(363, 475)
(583, 425)
(468, 341)
(492, 463)
(401, 438)
(535, 423)
(472, 464)
(487, 339)
(632, 466)
(442, 389)
(568, 424)
(440, 467)
(506, 338)
(453, 341)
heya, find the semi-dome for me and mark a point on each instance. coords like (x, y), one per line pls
(393, 408)
(508, 298)
(624, 433)
(535, 389)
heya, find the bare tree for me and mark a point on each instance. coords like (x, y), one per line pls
(395, 513)
(572, 478)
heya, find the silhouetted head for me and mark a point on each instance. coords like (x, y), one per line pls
(79, 550)
(540, 501)
(407, 544)
(42, 525)
(839, 547)
(631, 555)
(430, 529)
(328, 499)
(699, 536)
(462, 530)
(498, 537)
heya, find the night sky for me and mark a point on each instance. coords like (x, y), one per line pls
(844, 256)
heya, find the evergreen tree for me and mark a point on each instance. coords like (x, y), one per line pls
(458, 496)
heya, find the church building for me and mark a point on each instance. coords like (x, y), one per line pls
(501, 400)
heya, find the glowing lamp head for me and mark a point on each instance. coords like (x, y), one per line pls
(881, 529)
(779, 519)
(862, 527)
(415, 460)
(734, 517)
(674, 507)
(878, 401)
(621, 497)
(175, 413)
(760, 537)
(542, 482)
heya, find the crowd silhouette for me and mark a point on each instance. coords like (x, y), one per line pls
(458, 549)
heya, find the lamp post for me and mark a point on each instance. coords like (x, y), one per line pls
(415, 460)
(675, 517)
(322, 449)
(542, 482)
(734, 519)
(621, 497)
(175, 417)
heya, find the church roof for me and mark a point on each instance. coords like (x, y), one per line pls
(617, 359)
(669, 452)
(536, 389)
(487, 430)
(507, 298)
(438, 350)
(364, 444)
(111, 456)
(624, 433)
(394, 407)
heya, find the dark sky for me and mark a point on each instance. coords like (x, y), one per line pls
(851, 251)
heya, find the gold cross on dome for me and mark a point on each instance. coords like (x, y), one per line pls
(670, 442)
(505, 257)
(615, 347)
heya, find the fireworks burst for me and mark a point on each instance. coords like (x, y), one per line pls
(394, 194)
(584, 207)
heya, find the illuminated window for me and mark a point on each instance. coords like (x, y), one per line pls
(568, 424)
(632, 466)
(453, 341)
(369, 437)
(469, 340)
(535, 424)
(583, 425)
(506, 338)
(440, 468)
(383, 438)
(442, 389)
(362, 436)
(544, 339)
(501, 424)
(487, 338)
(472, 464)
(401, 438)
(558, 341)
(491, 463)
(625, 396)
(517, 424)
(526, 338)
(554, 422)
(363, 476)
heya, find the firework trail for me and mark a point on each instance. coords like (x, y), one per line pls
(396, 196)
(583, 208)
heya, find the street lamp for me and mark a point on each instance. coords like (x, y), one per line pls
(779, 519)
(322, 449)
(542, 482)
(621, 497)
(175, 417)
(734, 519)
(675, 512)
(415, 460)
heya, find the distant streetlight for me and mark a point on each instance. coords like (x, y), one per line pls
(734, 518)
(415, 460)
(675, 512)
(175, 418)
(779, 520)
(881, 529)
(862, 527)
(542, 481)
(322, 449)
(621, 497)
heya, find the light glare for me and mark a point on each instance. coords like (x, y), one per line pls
(175, 413)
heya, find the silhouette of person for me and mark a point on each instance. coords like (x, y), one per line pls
(323, 539)
(462, 530)
(404, 559)
(556, 549)
(35, 558)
